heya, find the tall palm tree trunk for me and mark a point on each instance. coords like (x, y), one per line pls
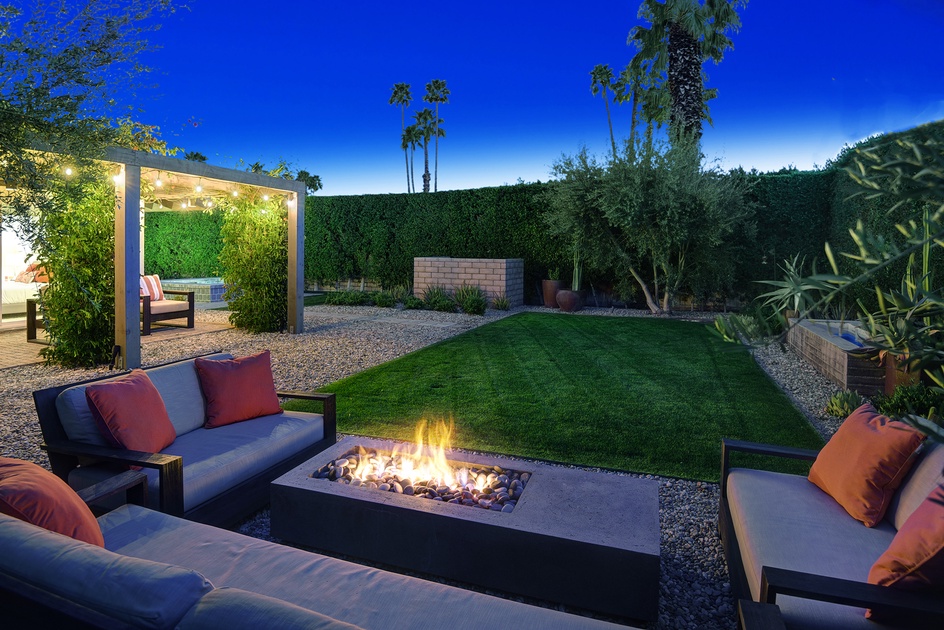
(685, 82)
(436, 165)
(609, 120)
(426, 165)
(412, 179)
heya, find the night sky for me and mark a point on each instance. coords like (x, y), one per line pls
(308, 82)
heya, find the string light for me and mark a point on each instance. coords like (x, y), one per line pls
(68, 171)
(199, 188)
(157, 182)
(235, 193)
(265, 197)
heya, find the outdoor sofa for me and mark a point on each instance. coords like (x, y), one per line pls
(137, 568)
(156, 307)
(798, 559)
(212, 475)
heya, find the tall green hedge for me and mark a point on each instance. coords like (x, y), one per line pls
(182, 244)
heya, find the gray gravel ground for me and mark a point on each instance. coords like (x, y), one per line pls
(340, 341)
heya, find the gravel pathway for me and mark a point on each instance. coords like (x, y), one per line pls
(340, 341)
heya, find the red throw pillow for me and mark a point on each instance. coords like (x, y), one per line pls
(864, 463)
(914, 560)
(130, 413)
(237, 389)
(37, 496)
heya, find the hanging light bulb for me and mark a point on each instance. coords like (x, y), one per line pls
(199, 188)
(68, 171)
(157, 182)
(235, 193)
(265, 197)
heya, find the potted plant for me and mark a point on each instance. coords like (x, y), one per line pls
(570, 301)
(550, 287)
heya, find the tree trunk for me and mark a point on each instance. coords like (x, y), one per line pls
(436, 166)
(406, 160)
(650, 302)
(412, 178)
(632, 123)
(426, 166)
(685, 84)
(609, 120)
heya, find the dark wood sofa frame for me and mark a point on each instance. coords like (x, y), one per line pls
(224, 510)
(148, 318)
(765, 613)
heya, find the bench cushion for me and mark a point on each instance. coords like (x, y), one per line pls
(68, 574)
(228, 608)
(927, 474)
(177, 384)
(215, 460)
(802, 529)
(356, 594)
(169, 306)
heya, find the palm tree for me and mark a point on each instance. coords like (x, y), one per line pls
(413, 137)
(437, 92)
(424, 122)
(681, 36)
(402, 97)
(601, 79)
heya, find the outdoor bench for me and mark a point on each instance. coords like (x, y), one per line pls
(797, 559)
(154, 570)
(215, 476)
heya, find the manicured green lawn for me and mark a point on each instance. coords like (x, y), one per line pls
(645, 395)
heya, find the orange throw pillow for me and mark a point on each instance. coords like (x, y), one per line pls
(237, 389)
(37, 496)
(131, 414)
(864, 463)
(914, 561)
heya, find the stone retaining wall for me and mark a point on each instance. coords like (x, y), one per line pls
(493, 275)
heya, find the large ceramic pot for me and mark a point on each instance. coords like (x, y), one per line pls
(569, 301)
(550, 289)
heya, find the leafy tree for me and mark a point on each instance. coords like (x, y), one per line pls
(437, 92)
(681, 36)
(412, 138)
(601, 82)
(312, 182)
(427, 125)
(650, 216)
(195, 156)
(402, 97)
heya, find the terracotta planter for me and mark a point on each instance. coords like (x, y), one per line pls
(550, 289)
(569, 301)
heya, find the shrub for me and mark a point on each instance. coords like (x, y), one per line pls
(501, 303)
(400, 292)
(471, 299)
(918, 399)
(437, 298)
(383, 299)
(843, 403)
(412, 303)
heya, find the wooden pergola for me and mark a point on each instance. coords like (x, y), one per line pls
(177, 184)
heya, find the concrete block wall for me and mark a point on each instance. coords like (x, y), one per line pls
(492, 275)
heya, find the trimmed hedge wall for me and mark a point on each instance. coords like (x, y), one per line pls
(182, 244)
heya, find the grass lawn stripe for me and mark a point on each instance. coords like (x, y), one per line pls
(638, 394)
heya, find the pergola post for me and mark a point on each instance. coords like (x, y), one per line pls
(128, 268)
(296, 262)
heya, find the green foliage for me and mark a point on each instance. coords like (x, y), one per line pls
(471, 299)
(843, 403)
(347, 298)
(183, 244)
(254, 261)
(400, 292)
(501, 303)
(918, 399)
(383, 299)
(77, 246)
(413, 303)
(437, 298)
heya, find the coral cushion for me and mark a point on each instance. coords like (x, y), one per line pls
(914, 560)
(130, 413)
(151, 285)
(864, 463)
(237, 389)
(37, 496)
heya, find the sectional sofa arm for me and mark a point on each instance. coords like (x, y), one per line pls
(901, 604)
(759, 616)
(329, 402)
(170, 468)
(729, 446)
(131, 482)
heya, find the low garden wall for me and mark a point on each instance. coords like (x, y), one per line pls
(495, 276)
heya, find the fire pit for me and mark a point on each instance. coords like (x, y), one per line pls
(584, 539)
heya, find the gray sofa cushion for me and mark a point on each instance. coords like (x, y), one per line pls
(177, 383)
(787, 522)
(364, 596)
(229, 608)
(68, 574)
(218, 459)
(927, 474)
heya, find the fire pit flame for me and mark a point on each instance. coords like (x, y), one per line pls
(423, 470)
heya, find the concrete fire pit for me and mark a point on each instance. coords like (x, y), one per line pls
(587, 540)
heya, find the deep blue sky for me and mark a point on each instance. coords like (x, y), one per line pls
(309, 82)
